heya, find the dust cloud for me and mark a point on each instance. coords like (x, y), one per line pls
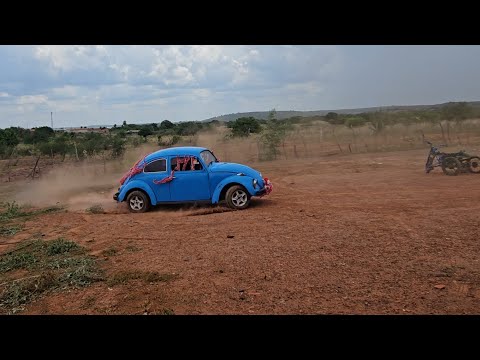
(82, 185)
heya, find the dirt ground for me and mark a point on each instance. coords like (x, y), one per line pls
(356, 234)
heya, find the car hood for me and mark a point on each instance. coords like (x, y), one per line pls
(234, 169)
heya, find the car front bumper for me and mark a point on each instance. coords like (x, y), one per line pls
(115, 197)
(267, 189)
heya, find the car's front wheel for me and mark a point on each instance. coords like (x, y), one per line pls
(138, 202)
(237, 197)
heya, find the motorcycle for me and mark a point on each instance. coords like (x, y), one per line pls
(452, 163)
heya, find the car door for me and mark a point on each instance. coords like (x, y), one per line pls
(153, 173)
(190, 183)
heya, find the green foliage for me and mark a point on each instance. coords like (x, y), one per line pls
(354, 121)
(168, 140)
(8, 141)
(243, 127)
(9, 230)
(11, 211)
(117, 145)
(111, 251)
(214, 123)
(9, 137)
(60, 246)
(333, 118)
(166, 124)
(147, 276)
(53, 265)
(188, 128)
(96, 209)
(39, 135)
(457, 111)
(273, 135)
(58, 145)
(145, 131)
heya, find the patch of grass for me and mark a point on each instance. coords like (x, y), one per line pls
(13, 210)
(51, 265)
(167, 312)
(47, 210)
(132, 248)
(96, 209)
(20, 292)
(24, 260)
(82, 273)
(60, 246)
(147, 276)
(110, 252)
(10, 230)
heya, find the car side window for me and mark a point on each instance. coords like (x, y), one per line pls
(156, 166)
(185, 164)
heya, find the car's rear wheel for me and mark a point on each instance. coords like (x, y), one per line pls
(138, 202)
(237, 197)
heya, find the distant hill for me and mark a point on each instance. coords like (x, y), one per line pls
(292, 113)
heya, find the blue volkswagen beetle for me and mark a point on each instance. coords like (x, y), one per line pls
(189, 174)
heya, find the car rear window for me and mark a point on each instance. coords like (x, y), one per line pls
(156, 166)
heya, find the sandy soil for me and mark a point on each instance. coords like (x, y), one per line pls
(358, 234)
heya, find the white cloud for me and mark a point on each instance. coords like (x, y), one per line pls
(4, 95)
(67, 58)
(106, 84)
(32, 99)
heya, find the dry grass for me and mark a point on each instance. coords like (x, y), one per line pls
(147, 276)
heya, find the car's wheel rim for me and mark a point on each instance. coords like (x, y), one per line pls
(136, 203)
(239, 198)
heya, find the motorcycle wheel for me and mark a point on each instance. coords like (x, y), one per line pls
(451, 166)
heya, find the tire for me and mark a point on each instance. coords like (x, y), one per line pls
(237, 197)
(474, 165)
(451, 166)
(138, 202)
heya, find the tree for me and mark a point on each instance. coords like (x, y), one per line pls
(274, 135)
(145, 131)
(39, 135)
(8, 138)
(457, 111)
(166, 124)
(117, 145)
(124, 123)
(244, 126)
(333, 118)
(354, 121)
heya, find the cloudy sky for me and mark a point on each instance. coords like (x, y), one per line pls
(86, 85)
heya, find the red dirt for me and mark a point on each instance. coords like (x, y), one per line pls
(360, 234)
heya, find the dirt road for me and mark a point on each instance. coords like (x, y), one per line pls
(360, 234)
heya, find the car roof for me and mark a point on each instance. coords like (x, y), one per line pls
(180, 151)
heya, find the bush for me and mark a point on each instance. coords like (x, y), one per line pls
(245, 126)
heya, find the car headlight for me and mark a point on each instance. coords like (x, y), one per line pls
(255, 182)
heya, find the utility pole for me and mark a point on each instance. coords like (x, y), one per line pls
(51, 118)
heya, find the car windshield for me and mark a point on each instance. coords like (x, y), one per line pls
(208, 157)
